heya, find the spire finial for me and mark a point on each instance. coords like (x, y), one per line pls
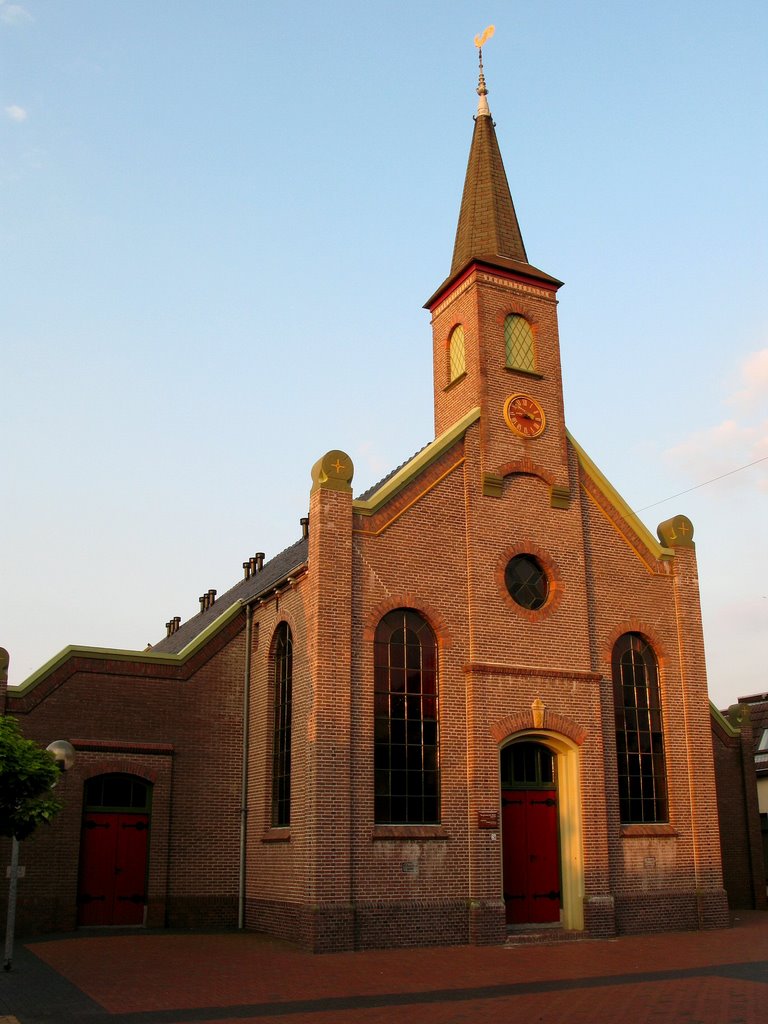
(482, 91)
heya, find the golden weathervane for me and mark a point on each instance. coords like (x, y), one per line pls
(482, 91)
(481, 40)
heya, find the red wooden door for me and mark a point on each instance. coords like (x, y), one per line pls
(113, 868)
(531, 856)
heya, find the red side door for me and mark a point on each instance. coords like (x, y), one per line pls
(531, 856)
(113, 868)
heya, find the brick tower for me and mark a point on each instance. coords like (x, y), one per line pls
(493, 292)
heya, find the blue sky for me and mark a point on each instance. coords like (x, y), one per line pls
(219, 223)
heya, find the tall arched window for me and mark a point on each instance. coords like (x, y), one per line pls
(639, 734)
(281, 757)
(518, 341)
(406, 769)
(457, 355)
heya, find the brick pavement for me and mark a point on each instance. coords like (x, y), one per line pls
(714, 977)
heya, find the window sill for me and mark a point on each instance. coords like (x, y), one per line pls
(277, 835)
(455, 381)
(409, 832)
(643, 831)
(525, 373)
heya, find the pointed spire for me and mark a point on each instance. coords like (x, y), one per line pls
(488, 227)
(488, 231)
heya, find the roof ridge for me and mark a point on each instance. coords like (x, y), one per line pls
(370, 491)
(241, 592)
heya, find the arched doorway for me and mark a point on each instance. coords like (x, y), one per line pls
(530, 841)
(113, 850)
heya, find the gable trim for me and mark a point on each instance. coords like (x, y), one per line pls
(403, 509)
(417, 465)
(117, 654)
(618, 504)
(722, 722)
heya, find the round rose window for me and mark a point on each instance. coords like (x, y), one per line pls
(526, 582)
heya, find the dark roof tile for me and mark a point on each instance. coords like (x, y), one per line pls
(372, 490)
(487, 219)
(273, 571)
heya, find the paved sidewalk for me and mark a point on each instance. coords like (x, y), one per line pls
(715, 977)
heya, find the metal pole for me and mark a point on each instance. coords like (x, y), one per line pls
(64, 755)
(10, 923)
(244, 769)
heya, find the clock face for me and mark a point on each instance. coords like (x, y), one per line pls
(524, 415)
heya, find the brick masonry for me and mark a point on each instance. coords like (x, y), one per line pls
(332, 879)
(740, 840)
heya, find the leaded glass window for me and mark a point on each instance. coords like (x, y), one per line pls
(406, 764)
(518, 341)
(526, 582)
(457, 353)
(281, 759)
(639, 734)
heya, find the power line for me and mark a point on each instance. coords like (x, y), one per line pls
(704, 484)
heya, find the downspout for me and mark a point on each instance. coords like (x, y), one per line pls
(244, 774)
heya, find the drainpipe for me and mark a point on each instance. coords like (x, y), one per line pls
(244, 775)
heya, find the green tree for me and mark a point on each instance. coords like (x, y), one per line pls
(27, 776)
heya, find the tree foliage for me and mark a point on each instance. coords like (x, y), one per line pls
(27, 776)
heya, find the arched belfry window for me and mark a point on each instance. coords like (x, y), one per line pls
(456, 352)
(518, 342)
(639, 734)
(406, 768)
(281, 750)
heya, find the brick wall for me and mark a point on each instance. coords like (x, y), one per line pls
(333, 879)
(177, 727)
(739, 831)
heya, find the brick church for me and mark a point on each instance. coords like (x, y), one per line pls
(470, 699)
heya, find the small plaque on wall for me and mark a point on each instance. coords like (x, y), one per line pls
(488, 820)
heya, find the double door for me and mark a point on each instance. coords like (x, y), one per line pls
(531, 856)
(113, 868)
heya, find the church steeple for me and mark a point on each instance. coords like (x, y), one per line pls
(495, 336)
(488, 232)
(488, 227)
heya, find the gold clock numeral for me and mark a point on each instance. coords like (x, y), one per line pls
(524, 416)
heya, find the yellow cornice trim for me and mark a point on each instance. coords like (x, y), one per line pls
(418, 497)
(609, 492)
(417, 464)
(117, 654)
(722, 721)
(647, 558)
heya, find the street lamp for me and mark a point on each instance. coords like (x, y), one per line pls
(64, 756)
